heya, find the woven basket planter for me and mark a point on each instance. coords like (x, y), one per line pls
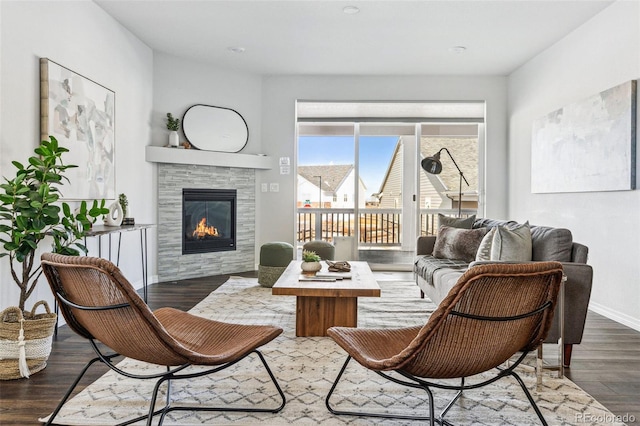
(25, 341)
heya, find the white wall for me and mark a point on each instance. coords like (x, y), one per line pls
(179, 83)
(83, 38)
(600, 54)
(278, 129)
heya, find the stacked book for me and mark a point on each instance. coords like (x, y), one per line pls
(326, 276)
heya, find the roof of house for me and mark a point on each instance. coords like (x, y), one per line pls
(332, 175)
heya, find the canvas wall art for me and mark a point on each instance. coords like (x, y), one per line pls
(80, 114)
(588, 145)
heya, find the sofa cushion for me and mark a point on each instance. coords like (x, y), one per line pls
(512, 244)
(491, 223)
(455, 243)
(551, 243)
(456, 222)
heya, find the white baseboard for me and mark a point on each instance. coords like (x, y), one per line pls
(616, 316)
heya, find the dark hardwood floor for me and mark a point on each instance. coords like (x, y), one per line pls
(606, 364)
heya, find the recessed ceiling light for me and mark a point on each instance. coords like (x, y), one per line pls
(457, 49)
(351, 10)
(236, 49)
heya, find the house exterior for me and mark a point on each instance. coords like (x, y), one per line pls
(436, 191)
(337, 188)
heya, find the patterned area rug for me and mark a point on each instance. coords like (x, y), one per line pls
(306, 367)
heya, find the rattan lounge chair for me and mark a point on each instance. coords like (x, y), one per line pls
(494, 312)
(100, 305)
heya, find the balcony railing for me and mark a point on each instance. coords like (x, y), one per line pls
(377, 227)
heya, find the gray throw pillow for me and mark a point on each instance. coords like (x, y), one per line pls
(512, 244)
(459, 244)
(484, 250)
(456, 222)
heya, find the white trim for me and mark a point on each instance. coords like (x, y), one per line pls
(159, 154)
(616, 316)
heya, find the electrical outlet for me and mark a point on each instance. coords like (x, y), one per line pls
(274, 187)
(265, 187)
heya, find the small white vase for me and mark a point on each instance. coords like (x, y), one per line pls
(115, 216)
(174, 139)
(310, 267)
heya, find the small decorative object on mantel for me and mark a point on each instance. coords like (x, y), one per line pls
(173, 124)
(310, 262)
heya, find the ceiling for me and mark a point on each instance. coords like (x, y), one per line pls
(383, 38)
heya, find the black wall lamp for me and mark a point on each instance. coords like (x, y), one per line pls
(433, 165)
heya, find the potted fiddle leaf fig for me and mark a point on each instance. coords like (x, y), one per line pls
(30, 212)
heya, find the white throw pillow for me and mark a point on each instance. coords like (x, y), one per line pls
(512, 244)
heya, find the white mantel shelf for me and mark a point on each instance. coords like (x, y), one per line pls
(160, 154)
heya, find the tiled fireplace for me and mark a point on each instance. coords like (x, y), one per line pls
(172, 180)
(208, 220)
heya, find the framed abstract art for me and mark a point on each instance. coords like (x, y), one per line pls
(80, 114)
(587, 146)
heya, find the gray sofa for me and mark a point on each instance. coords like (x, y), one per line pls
(436, 276)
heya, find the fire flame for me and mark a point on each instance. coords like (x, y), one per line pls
(202, 230)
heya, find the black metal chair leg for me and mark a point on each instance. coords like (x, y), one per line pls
(530, 398)
(453, 401)
(432, 420)
(70, 390)
(275, 382)
(333, 387)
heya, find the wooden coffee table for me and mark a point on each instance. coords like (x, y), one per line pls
(320, 305)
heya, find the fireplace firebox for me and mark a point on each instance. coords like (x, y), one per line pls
(208, 220)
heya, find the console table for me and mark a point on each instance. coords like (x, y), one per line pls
(101, 230)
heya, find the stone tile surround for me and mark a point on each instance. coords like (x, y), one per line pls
(172, 264)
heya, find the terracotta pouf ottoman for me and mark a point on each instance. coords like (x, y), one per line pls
(274, 259)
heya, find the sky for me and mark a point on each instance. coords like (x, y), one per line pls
(375, 155)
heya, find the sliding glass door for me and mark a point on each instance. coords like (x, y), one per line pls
(360, 184)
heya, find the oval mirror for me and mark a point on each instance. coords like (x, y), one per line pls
(213, 128)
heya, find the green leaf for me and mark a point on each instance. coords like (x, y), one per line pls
(7, 199)
(22, 222)
(30, 213)
(66, 209)
(18, 165)
(11, 246)
(39, 224)
(22, 204)
(51, 211)
(36, 161)
(51, 198)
